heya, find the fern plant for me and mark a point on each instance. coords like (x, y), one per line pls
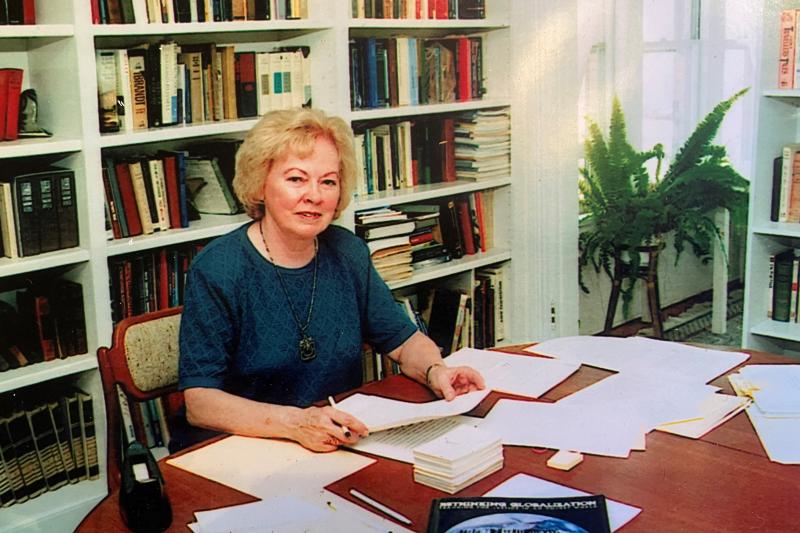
(628, 209)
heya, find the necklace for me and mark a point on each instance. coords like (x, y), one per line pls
(307, 347)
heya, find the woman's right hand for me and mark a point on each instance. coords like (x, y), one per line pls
(324, 429)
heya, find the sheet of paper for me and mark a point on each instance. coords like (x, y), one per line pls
(643, 356)
(779, 436)
(267, 467)
(399, 443)
(514, 374)
(775, 388)
(714, 411)
(549, 425)
(380, 413)
(318, 513)
(526, 486)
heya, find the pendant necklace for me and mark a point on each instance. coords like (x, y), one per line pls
(307, 348)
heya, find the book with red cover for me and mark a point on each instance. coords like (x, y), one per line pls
(464, 69)
(4, 76)
(173, 190)
(246, 96)
(29, 11)
(478, 201)
(465, 225)
(123, 175)
(13, 90)
(448, 145)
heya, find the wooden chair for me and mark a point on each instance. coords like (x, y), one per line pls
(143, 361)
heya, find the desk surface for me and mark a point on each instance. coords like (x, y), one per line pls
(721, 482)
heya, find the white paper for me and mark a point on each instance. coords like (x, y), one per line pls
(268, 467)
(775, 388)
(379, 413)
(549, 425)
(642, 356)
(779, 436)
(514, 374)
(714, 411)
(526, 486)
(399, 443)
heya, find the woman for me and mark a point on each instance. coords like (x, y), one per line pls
(276, 311)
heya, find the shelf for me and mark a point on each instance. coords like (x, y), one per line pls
(779, 330)
(279, 29)
(208, 226)
(39, 146)
(11, 267)
(35, 31)
(419, 110)
(791, 96)
(428, 24)
(179, 131)
(426, 192)
(457, 266)
(778, 229)
(68, 500)
(44, 371)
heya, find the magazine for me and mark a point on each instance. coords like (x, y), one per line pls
(577, 514)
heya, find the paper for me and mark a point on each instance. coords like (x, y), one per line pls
(642, 356)
(321, 512)
(525, 486)
(714, 411)
(268, 467)
(379, 413)
(399, 443)
(514, 374)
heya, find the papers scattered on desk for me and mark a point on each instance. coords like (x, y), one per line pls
(525, 486)
(669, 360)
(318, 513)
(514, 374)
(267, 467)
(775, 412)
(457, 459)
(715, 410)
(379, 413)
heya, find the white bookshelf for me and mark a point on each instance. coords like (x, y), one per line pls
(534, 227)
(776, 125)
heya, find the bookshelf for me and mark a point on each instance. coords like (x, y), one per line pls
(533, 210)
(777, 125)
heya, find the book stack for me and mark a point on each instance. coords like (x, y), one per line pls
(457, 459)
(431, 9)
(427, 248)
(38, 211)
(46, 444)
(148, 281)
(483, 144)
(387, 231)
(164, 84)
(141, 12)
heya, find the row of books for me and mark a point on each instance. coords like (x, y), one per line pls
(10, 90)
(483, 144)
(789, 50)
(148, 281)
(46, 444)
(38, 211)
(17, 12)
(785, 202)
(419, 9)
(171, 11)
(47, 324)
(164, 84)
(783, 286)
(401, 71)
(150, 420)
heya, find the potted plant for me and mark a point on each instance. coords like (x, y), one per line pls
(628, 210)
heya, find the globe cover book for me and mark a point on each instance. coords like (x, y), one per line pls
(577, 514)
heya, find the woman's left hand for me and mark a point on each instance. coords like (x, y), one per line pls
(449, 382)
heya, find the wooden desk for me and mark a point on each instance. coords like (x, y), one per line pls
(722, 482)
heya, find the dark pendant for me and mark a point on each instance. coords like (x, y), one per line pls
(307, 349)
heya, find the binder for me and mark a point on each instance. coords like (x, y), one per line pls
(66, 208)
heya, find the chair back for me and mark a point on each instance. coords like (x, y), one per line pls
(143, 361)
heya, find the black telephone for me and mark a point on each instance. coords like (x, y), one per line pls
(143, 499)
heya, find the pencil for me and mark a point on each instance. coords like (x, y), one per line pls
(344, 428)
(378, 505)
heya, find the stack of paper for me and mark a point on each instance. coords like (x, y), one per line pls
(775, 412)
(457, 459)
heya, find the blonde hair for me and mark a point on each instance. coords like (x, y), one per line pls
(294, 131)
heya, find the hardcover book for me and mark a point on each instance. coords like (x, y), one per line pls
(576, 514)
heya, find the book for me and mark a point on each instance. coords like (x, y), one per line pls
(69, 318)
(775, 204)
(786, 57)
(106, 64)
(782, 286)
(246, 95)
(383, 230)
(66, 208)
(445, 308)
(88, 434)
(70, 406)
(13, 89)
(25, 450)
(214, 196)
(46, 213)
(8, 227)
(573, 513)
(46, 444)
(138, 89)
(11, 463)
(25, 199)
(61, 431)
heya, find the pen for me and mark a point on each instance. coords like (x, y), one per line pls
(379, 506)
(344, 428)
